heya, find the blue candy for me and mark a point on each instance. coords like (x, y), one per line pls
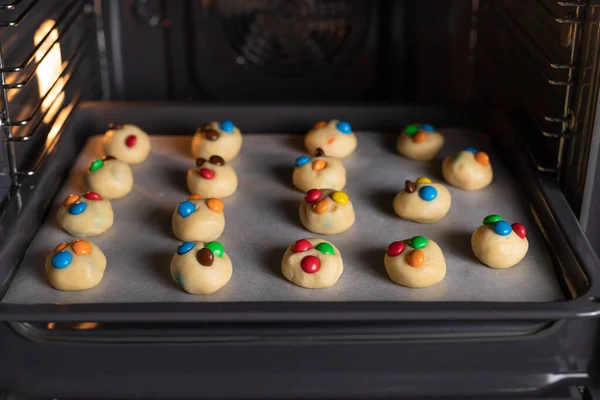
(471, 149)
(427, 193)
(344, 127)
(62, 259)
(186, 208)
(185, 247)
(179, 279)
(300, 161)
(226, 126)
(427, 127)
(502, 228)
(77, 208)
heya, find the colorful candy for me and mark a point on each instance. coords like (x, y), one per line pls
(310, 264)
(71, 199)
(502, 228)
(490, 219)
(340, 197)
(395, 248)
(92, 196)
(96, 165)
(61, 246)
(185, 247)
(61, 260)
(130, 140)
(301, 246)
(77, 208)
(195, 196)
(471, 149)
(216, 160)
(427, 127)
(409, 186)
(344, 127)
(82, 247)
(325, 248)
(321, 206)
(215, 205)
(482, 158)
(313, 195)
(320, 124)
(411, 129)
(428, 193)
(226, 126)
(415, 258)
(186, 208)
(216, 247)
(519, 229)
(419, 137)
(206, 173)
(300, 161)
(200, 162)
(319, 165)
(423, 179)
(211, 134)
(319, 152)
(418, 242)
(205, 257)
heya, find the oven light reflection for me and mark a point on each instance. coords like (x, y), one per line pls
(49, 69)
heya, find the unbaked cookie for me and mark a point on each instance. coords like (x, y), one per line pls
(319, 172)
(499, 244)
(468, 169)
(78, 265)
(212, 178)
(419, 142)
(221, 138)
(422, 201)
(199, 220)
(127, 143)
(110, 178)
(85, 215)
(312, 264)
(415, 263)
(201, 268)
(334, 137)
(326, 211)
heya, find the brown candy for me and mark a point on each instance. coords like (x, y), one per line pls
(410, 187)
(200, 162)
(204, 128)
(205, 257)
(106, 158)
(115, 126)
(319, 152)
(211, 134)
(216, 160)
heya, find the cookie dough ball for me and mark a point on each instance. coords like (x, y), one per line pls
(326, 211)
(86, 215)
(312, 264)
(221, 138)
(468, 170)
(201, 268)
(78, 265)
(199, 220)
(319, 172)
(127, 143)
(498, 244)
(420, 142)
(212, 178)
(422, 201)
(334, 137)
(110, 178)
(415, 263)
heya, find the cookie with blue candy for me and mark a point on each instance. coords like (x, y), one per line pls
(499, 244)
(78, 265)
(469, 169)
(422, 201)
(220, 138)
(335, 138)
(198, 219)
(318, 172)
(419, 142)
(84, 215)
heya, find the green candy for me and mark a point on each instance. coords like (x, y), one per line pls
(325, 248)
(491, 219)
(411, 129)
(96, 165)
(418, 242)
(216, 247)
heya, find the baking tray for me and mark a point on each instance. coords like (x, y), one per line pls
(363, 292)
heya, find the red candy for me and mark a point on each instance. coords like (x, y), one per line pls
(206, 173)
(313, 195)
(130, 140)
(301, 245)
(310, 264)
(92, 196)
(395, 249)
(519, 229)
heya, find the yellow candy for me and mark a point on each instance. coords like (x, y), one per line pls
(423, 180)
(340, 197)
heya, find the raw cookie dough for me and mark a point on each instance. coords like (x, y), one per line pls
(415, 263)
(469, 169)
(326, 211)
(334, 137)
(319, 172)
(498, 244)
(420, 142)
(312, 263)
(127, 143)
(221, 138)
(212, 178)
(78, 265)
(201, 268)
(110, 178)
(199, 220)
(85, 215)
(422, 201)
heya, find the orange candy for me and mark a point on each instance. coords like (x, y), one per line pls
(215, 205)
(320, 124)
(60, 247)
(319, 165)
(331, 140)
(320, 206)
(82, 247)
(195, 196)
(415, 258)
(482, 158)
(419, 137)
(71, 199)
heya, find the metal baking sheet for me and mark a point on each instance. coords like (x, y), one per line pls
(262, 220)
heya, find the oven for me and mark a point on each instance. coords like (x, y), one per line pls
(525, 73)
